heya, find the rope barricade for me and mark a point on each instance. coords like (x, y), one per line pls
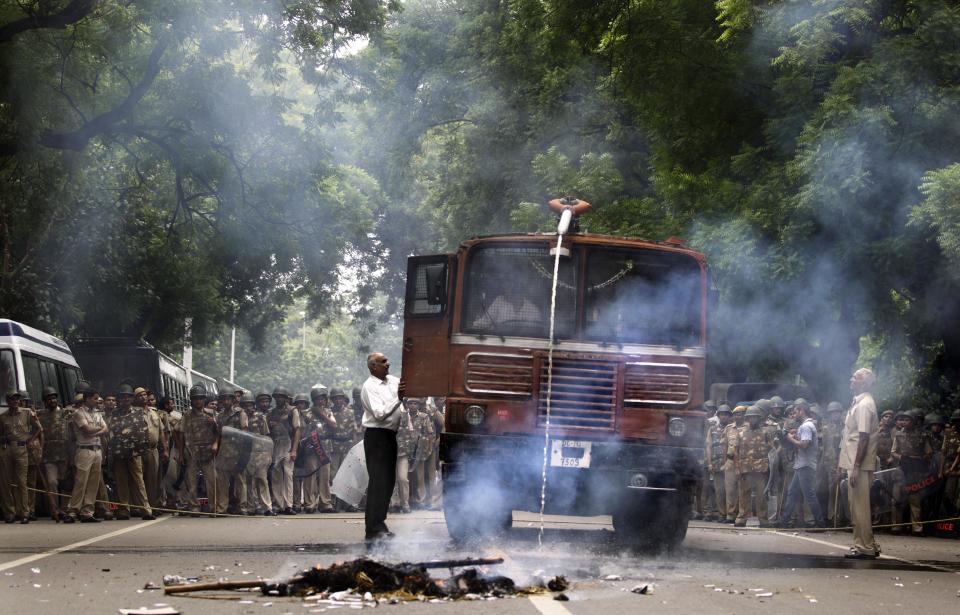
(728, 528)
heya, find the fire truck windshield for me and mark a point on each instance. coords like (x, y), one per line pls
(630, 295)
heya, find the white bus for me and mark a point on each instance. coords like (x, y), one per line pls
(31, 360)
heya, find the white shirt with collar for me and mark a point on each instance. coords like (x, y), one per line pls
(378, 398)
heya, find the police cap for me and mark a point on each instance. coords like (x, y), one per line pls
(247, 398)
(338, 392)
(301, 397)
(280, 391)
(319, 390)
(754, 411)
(724, 409)
(777, 402)
(125, 389)
(47, 392)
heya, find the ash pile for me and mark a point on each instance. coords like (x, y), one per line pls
(368, 581)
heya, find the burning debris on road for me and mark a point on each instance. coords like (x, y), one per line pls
(367, 580)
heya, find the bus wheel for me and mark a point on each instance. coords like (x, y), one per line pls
(476, 510)
(654, 523)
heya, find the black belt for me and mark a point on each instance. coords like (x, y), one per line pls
(89, 447)
(14, 443)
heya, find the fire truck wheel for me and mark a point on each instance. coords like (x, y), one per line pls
(652, 524)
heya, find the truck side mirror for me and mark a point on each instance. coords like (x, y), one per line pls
(436, 284)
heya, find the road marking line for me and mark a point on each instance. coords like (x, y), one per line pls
(548, 606)
(882, 556)
(77, 545)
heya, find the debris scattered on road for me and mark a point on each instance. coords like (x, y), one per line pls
(643, 590)
(365, 581)
(765, 595)
(104, 570)
(151, 586)
(35, 570)
(562, 597)
(558, 583)
(613, 577)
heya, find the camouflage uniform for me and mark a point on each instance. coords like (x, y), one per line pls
(127, 464)
(405, 443)
(199, 429)
(830, 434)
(55, 436)
(17, 429)
(424, 463)
(255, 479)
(951, 466)
(716, 459)
(344, 437)
(912, 449)
(316, 487)
(174, 495)
(227, 482)
(284, 423)
(753, 466)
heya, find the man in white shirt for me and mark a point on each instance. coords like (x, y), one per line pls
(380, 399)
(858, 456)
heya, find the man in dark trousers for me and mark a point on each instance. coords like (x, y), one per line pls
(380, 399)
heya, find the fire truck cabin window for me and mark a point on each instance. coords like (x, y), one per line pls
(642, 297)
(508, 291)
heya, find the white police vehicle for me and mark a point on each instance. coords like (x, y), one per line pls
(31, 360)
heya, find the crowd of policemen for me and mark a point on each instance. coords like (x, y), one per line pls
(749, 464)
(125, 453)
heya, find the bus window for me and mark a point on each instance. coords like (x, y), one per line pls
(48, 374)
(8, 373)
(31, 373)
(70, 378)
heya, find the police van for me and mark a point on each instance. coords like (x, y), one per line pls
(31, 360)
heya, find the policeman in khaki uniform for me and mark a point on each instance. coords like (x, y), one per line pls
(53, 419)
(912, 451)
(731, 478)
(318, 416)
(158, 453)
(284, 422)
(716, 456)
(19, 427)
(198, 434)
(951, 463)
(88, 428)
(229, 484)
(256, 479)
(127, 465)
(753, 465)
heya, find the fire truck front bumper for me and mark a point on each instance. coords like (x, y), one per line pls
(583, 476)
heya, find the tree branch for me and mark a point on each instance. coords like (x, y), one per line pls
(71, 14)
(78, 139)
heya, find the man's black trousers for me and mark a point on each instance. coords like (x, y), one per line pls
(380, 449)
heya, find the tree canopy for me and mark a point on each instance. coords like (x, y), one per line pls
(222, 159)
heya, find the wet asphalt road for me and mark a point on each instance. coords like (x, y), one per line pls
(718, 570)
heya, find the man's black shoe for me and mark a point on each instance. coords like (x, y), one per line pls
(859, 555)
(89, 520)
(67, 519)
(148, 517)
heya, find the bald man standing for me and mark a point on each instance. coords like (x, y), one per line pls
(858, 456)
(381, 400)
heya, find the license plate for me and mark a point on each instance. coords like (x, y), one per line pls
(570, 454)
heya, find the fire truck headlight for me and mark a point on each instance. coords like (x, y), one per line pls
(475, 415)
(677, 427)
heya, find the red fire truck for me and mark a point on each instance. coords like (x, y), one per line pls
(622, 392)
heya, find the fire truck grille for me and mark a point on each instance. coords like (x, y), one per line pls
(499, 374)
(583, 395)
(656, 384)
